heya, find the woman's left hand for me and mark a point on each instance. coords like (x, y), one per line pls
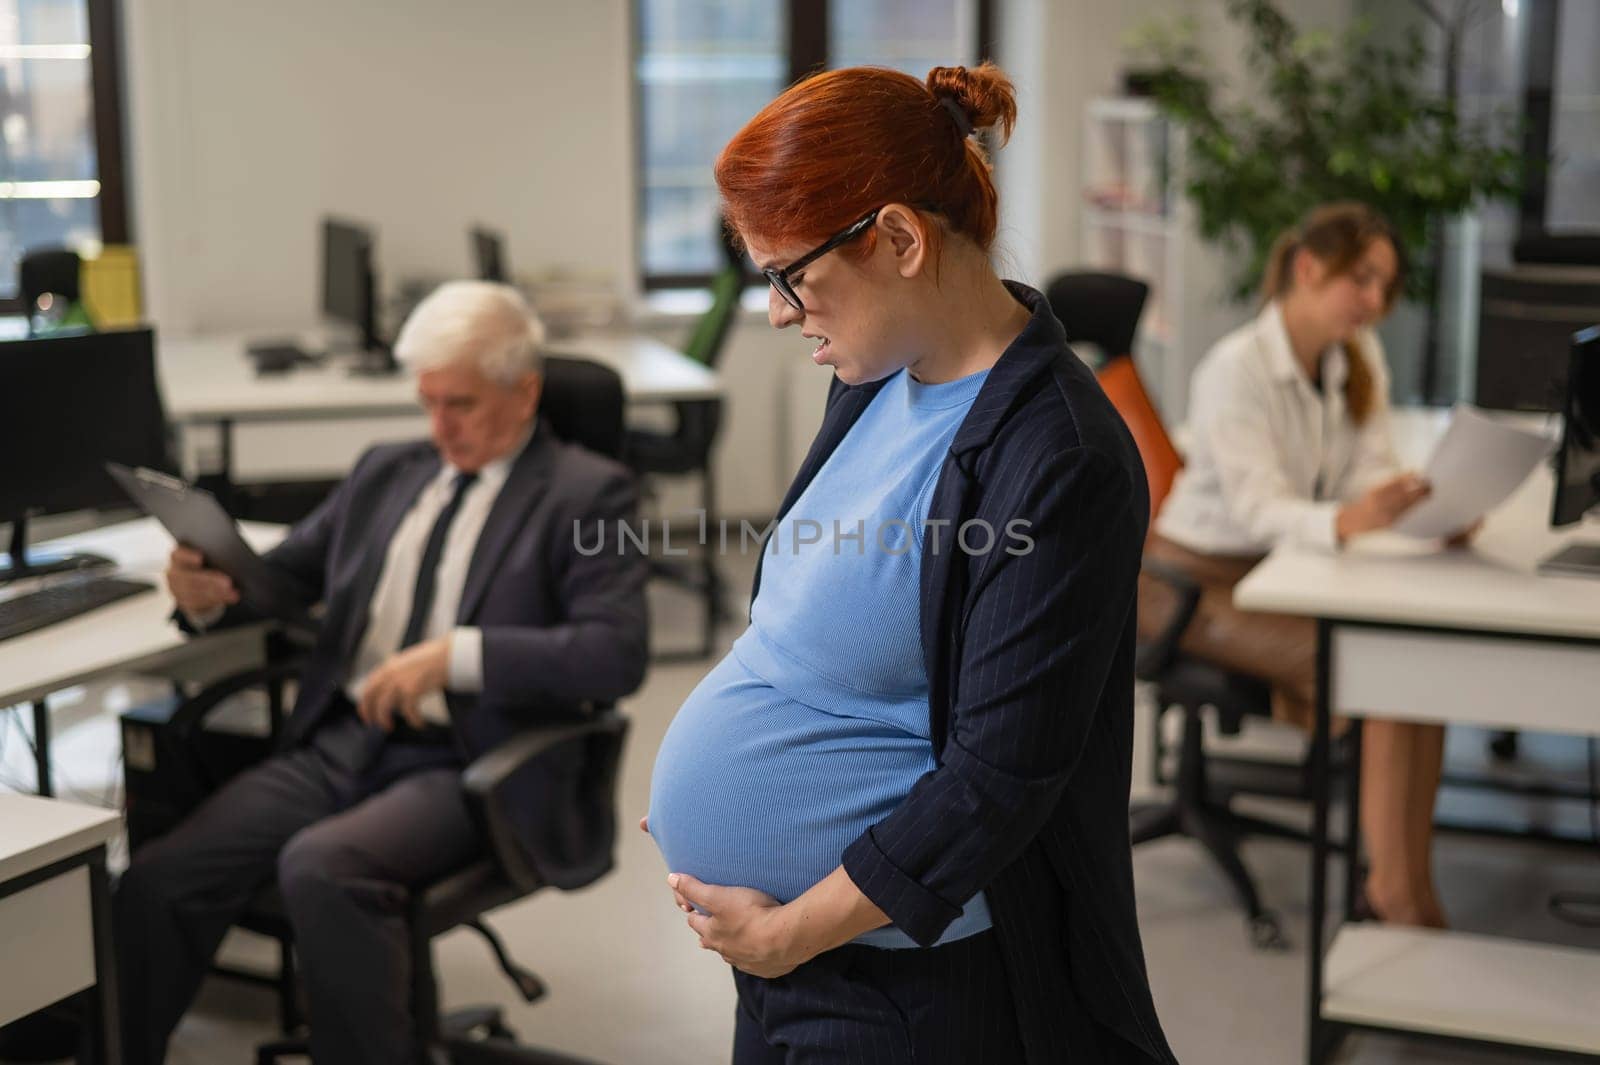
(747, 927)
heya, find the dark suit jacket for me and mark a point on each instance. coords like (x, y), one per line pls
(560, 626)
(1030, 667)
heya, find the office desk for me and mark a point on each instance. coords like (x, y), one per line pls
(55, 914)
(133, 635)
(1472, 636)
(211, 381)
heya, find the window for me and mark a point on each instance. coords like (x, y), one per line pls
(703, 67)
(60, 131)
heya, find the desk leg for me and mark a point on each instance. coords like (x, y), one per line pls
(1352, 822)
(105, 1005)
(1318, 1032)
(41, 748)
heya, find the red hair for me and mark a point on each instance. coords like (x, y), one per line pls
(837, 145)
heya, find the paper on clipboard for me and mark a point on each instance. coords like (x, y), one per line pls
(1475, 467)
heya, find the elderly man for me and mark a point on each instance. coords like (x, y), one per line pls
(457, 609)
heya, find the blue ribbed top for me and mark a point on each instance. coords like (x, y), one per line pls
(815, 726)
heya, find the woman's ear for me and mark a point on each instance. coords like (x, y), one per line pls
(904, 233)
(1308, 270)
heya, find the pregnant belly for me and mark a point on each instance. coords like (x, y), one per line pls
(753, 789)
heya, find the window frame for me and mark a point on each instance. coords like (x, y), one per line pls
(807, 26)
(111, 165)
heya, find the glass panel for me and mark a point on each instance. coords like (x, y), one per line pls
(704, 68)
(908, 35)
(47, 151)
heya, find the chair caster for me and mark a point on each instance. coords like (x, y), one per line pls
(1266, 933)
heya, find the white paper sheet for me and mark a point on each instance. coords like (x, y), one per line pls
(1476, 466)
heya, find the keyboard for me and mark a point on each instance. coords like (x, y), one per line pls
(62, 602)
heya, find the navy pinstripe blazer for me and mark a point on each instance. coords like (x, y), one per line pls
(1030, 667)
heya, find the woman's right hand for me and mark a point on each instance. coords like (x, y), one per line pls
(198, 590)
(1381, 506)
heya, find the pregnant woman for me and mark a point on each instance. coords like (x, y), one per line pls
(899, 806)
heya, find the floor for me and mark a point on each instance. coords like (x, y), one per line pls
(628, 984)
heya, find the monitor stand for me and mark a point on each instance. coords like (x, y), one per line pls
(22, 563)
(1574, 560)
(374, 362)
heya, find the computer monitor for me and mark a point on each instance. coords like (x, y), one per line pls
(489, 252)
(68, 405)
(350, 289)
(1578, 461)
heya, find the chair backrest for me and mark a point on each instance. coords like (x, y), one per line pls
(1102, 309)
(1120, 379)
(583, 402)
(52, 270)
(711, 331)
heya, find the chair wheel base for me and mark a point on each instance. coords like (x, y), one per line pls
(476, 1023)
(1266, 933)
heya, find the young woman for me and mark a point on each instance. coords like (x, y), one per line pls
(1290, 442)
(899, 807)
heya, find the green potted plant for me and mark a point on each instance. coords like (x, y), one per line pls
(1329, 117)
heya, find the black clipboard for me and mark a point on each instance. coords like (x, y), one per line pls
(195, 519)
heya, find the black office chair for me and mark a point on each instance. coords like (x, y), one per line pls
(1099, 308)
(48, 270)
(461, 899)
(583, 404)
(1104, 309)
(687, 448)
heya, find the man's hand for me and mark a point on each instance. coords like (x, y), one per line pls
(399, 684)
(1381, 506)
(749, 928)
(197, 590)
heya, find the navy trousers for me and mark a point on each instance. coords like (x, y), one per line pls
(945, 1005)
(346, 823)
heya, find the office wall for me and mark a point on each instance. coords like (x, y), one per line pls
(248, 121)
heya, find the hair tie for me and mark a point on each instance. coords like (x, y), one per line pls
(957, 112)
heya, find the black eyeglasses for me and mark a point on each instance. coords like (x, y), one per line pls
(779, 279)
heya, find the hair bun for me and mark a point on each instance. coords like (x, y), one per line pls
(983, 93)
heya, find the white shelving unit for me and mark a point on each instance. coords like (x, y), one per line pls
(1135, 223)
(1466, 986)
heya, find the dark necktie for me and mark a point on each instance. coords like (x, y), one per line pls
(422, 596)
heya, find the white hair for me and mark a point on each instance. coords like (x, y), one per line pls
(480, 323)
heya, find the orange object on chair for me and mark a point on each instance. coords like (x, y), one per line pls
(1120, 379)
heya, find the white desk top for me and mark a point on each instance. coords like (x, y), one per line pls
(133, 633)
(1490, 586)
(210, 378)
(37, 832)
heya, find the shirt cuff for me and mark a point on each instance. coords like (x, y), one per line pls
(466, 660)
(1320, 527)
(202, 622)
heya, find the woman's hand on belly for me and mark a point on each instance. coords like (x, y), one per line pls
(756, 934)
(742, 924)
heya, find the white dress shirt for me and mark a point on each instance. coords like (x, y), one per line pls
(1271, 457)
(390, 606)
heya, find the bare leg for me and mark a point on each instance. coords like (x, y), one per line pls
(1429, 766)
(1388, 768)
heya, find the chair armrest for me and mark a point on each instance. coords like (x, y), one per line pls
(1154, 656)
(485, 778)
(192, 712)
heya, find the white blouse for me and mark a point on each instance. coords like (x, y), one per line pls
(1271, 458)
